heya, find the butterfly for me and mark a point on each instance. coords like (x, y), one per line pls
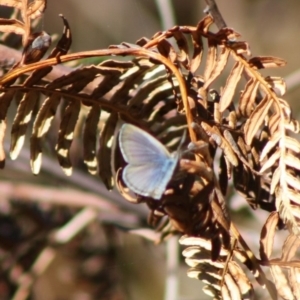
(150, 165)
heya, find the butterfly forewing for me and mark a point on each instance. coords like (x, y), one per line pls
(150, 165)
(139, 147)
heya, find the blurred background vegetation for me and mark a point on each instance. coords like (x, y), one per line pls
(271, 27)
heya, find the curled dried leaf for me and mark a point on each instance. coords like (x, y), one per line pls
(204, 24)
(267, 236)
(182, 44)
(241, 48)
(261, 62)
(167, 50)
(277, 84)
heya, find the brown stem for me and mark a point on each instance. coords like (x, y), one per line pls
(213, 10)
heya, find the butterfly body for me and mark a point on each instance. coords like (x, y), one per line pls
(150, 165)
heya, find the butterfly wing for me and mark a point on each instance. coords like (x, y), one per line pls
(149, 180)
(139, 147)
(150, 165)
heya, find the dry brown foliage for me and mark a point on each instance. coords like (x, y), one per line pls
(165, 84)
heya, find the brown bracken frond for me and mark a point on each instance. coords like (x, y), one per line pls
(165, 86)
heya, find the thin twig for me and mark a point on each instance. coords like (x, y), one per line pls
(166, 13)
(293, 80)
(213, 10)
(172, 282)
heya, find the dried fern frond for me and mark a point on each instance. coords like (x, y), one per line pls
(163, 86)
(235, 282)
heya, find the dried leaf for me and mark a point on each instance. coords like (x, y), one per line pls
(286, 210)
(292, 161)
(241, 48)
(147, 92)
(292, 144)
(256, 119)
(223, 177)
(277, 84)
(273, 123)
(281, 283)
(261, 62)
(292, 180)
(232, 119)
(270, 145)
(66, 135)
(231, 83)
(244, 284)
(36, 8)
(64, 43)
(294, 275)
(293, 195)
(182, 44)
(267, 236)
(234, 292)
(290, 247)
(199, 168)
(105, 151)
(5, 101)
(167, 50)
(214, 68)
(293, 126)
(40, 128)
(204, 24)
(12, 25)
(215, 134)
(2, 135)
(89, 138)
(247, 98)
(198, 50)
(12, 3)
(275, 180)
(227, 34)
(217, 113)
(270, 161)
(234, 146)
(210, 59)
(21, 121)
